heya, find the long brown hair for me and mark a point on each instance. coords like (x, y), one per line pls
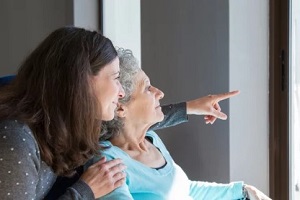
(53, 94)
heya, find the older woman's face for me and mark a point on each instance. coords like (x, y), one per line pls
(108, 89)
(144, 106)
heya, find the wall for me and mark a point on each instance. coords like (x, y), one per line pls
(249, 72)
(86, 14)
(121, 24)
(203, 47)
(24, 24)
(185, 53)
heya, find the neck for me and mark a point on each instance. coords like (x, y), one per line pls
(131, 137)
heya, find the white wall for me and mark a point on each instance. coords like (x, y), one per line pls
(86, 14)
(122, 24)
(249, 72)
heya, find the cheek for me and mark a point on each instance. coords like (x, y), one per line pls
(109, 90)
(117, 87)
(104, 95)
(149, 107)
(112, 88)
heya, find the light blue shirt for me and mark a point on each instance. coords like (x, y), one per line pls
(168, 182)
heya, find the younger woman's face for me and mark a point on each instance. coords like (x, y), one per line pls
(108, 89)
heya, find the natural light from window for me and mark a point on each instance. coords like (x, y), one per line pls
(295, 101)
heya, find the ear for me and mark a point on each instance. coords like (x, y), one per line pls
(121, 111)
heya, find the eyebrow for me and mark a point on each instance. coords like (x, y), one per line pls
(115, 73)
(143, 82)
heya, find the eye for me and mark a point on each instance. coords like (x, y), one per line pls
(117, 78)
(148, 88)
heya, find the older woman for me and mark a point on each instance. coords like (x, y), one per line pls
(151, 171)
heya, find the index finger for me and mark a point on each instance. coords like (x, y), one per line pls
(227, 95)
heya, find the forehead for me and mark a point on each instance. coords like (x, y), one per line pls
(110, 70)
(111, 67)
(141, 78)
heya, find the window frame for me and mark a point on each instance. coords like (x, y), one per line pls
(279, 99)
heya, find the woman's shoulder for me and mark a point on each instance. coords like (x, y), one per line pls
(155, 138)
(17, 138)
(16, 129)
(110, 150)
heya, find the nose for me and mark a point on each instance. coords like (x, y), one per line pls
(121, 92)
(160, 94)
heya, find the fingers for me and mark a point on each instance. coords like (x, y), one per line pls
(120, 181)
(104, 176)
(216, 111)
(117, 168)
(119, 177)
(254, 193)
(102, 160)
(109, 168)
(209, 106)
(220, 115)
(217, 107)
(210, 119)
(226, 95)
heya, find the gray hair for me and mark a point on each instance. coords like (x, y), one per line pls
(129, 67)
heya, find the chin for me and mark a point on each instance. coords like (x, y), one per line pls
(108, 117)
(161, 118)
